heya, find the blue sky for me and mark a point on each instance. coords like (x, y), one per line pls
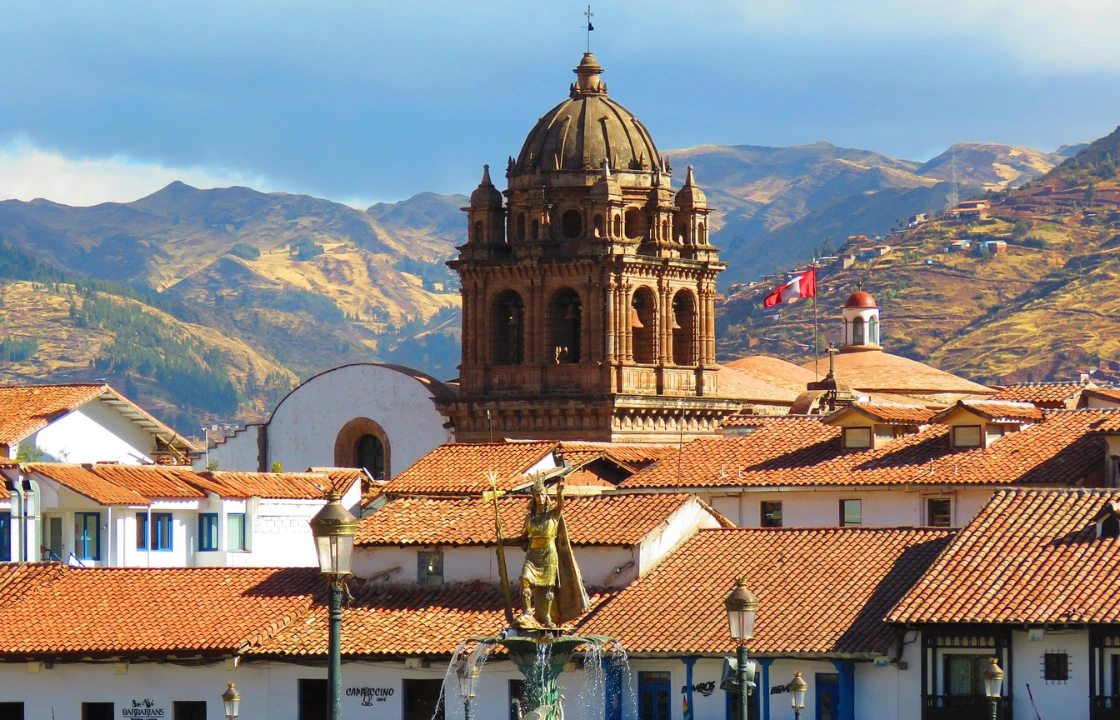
(367, 100)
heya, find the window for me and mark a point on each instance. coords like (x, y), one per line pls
(87, 540)
(964, 674)
(235, 540)
(1055, 667)
(369, 453)
(97, 710)
(571, 224)
(516, 699)
(54, 539)
(873, 331)
(421, 699)
(506, 328)
(312, 699)
(207, 532)
(567, 326)
(11, 710)
(429, 571)
(939, 512)
(644, 340)
(857, 331)
(633, 223)
(966, 436)
(5, 536)
(653, 695)
(478, 231)
(612, 683)
(851, 513)
(771, 515)
(684, 329)
(856, 438)
(617, 230)
(188, 710)
(536, 229)
(521, 226)
(141, 531)
(161, 531)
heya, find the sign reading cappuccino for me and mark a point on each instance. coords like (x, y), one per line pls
(369, 695)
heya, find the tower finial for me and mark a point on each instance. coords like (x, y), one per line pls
(589, 27)
(688, 179)
(486, 175)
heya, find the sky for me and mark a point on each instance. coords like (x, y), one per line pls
(368, 100)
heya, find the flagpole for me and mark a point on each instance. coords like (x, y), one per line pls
(816, 344)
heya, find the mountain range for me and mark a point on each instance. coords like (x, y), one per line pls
(258, 290)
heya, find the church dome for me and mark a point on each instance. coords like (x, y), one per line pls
(586, 130)
(860, 299)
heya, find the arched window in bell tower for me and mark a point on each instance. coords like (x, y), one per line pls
(507, 329)
(478, 231)
(571, 224)
(521, 226)
(857, 331)
(617, 229)
(566, 322)
(643, 325)
(684, 328)
(599, 230)
(633, 223)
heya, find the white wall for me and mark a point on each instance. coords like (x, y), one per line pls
(882, 507)
(95, 432)
(241, 451)
(1055, 699)
(304, 426)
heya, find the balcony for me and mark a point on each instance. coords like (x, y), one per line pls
(963, 707)
(1106, 707)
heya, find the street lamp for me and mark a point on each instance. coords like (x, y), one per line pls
(468, 686)
(232, 701)
(333, 528)
(993, 685)
(741, 607)
(797, 689)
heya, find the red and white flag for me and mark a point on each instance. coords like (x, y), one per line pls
(801, 286)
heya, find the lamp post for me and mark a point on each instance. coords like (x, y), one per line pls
(741, 606)
(993, 685)
(468, 687)
(797, 689)
(334, 528)
(231, 699)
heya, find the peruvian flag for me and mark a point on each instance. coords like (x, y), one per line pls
(801, 286)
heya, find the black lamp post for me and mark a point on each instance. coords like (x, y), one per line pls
(797, 689)
(231, 699)
(993, 685)
(741, 607)
(334, 528)
(468, 687)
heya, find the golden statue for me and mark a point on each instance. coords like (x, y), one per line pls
(552, 592)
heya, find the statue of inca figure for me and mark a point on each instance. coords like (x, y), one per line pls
(551, 587)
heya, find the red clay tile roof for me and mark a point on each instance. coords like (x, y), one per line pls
(460, 468)
(1107, 393)
(622, 519)
(994, 410)
(88, 484)
(631, 455)
(395, 621)
(130, 611)
(1047, 394)
(1029, 556)
(820, 591)
(24, 409)
(284, 486)
(1062, 449)
(888, 413)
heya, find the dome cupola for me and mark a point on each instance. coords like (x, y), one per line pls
(861, 323)
(486, 195)
(691, 195)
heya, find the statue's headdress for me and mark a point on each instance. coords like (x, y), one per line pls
(538, 484)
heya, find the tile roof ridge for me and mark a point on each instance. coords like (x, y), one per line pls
(854, 529)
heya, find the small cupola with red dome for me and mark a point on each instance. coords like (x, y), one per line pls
(861, 323)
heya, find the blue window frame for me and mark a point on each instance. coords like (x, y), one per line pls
(141, 531)
(87, 535)
(161, 531)
(5, 536)
(207, 532)
(613, 686)
(654, 691)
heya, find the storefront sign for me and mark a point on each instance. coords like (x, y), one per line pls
(370, 695)
(705, 689)
(145, 708)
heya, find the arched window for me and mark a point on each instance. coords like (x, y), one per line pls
(633, 223)
(702, 234)
(665, 229)
(363, 443)
(617, 226)
(643, 323)
(684, 328)
(872, 331)
(857, 331)
(598, 226)
(571, 224)
(478, 231)
(521, 226)
(566, 322)
(507, 329)
(536, 230)
(369, 453)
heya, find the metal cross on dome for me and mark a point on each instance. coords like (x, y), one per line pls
(588, 27)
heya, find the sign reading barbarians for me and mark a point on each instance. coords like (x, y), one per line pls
(145, 708)
(369, 695)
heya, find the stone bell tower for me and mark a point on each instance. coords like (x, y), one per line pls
(588, 287)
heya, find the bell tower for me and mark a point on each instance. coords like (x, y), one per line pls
(588, 287)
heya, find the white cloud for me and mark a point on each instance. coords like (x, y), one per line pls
(27, 172)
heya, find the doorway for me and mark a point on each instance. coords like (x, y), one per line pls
(828, 696)
(421, 700)
(54, 548)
